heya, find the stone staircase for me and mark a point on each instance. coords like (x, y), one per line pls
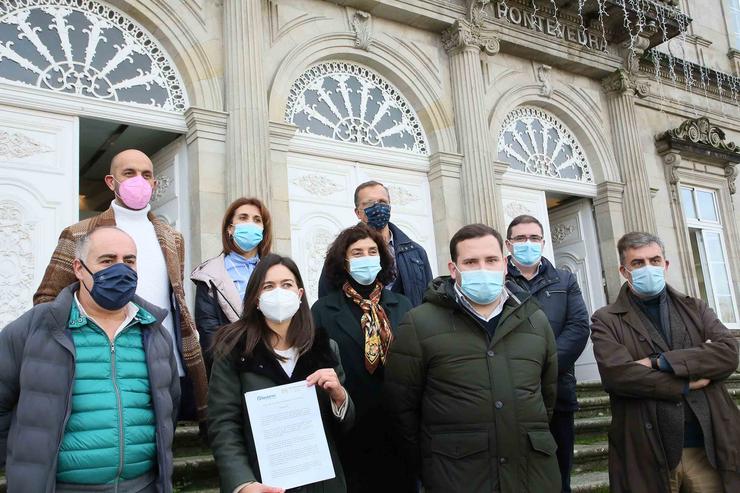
(195, 470)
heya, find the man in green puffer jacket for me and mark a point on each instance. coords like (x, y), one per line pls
(471, 379)
(89, 384)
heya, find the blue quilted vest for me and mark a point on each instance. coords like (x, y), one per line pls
(111, 434)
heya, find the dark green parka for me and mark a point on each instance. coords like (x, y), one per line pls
(229, 429)
(473, 411)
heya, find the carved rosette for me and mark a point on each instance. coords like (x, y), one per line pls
(465, 35)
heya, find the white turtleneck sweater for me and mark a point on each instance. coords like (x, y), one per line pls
(154, 284)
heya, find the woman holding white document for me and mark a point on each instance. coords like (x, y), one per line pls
(273, 343)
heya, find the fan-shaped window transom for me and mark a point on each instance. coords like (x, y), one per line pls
(351, 103)
(534, 141)
(87, 48)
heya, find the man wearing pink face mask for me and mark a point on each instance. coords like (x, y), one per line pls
(161, 261)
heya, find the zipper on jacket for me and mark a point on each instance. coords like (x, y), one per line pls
(120, 412)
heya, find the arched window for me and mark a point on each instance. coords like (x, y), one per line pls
(87, 48)
(350, 103)
(534, 141)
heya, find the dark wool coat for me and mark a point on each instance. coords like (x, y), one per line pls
(637, 462)
(229, 428)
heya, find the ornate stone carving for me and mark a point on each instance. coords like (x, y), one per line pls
(701, 131)
(317, 185)
(88, 49)
(672, 162)
(361, 25)
(463, 34)
(316, 252)
(16, 261)
(514, 209)
(731, 174)
(621, 82)
(18, 145)
(163, 184)
(544, 75)
(401, 196)
(560, 232)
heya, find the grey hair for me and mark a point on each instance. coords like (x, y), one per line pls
(637, 239)
(82, 245)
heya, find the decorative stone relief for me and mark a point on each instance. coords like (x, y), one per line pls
(463, 34)
(318, 185)
(163, 184)
(88, 49)
(514, 209)
(361, 25)
(701, 141)
(544, 75)
(16, 261)
(316, 248)
(401, 196)
(535, 142)
(350, 103)
(18, 145)
(560, 232)
(621, 82)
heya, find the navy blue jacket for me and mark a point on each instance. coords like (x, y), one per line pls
(413, 270)
(560, 298)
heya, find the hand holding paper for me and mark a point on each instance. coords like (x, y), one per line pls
(327, 379)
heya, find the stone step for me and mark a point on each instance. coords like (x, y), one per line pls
(590, 482)
(590, 457)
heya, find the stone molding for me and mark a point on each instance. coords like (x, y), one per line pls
(362, 27)
(204, 123)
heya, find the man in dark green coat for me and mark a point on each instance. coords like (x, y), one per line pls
(471, 379)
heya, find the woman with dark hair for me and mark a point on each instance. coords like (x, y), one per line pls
(273, 343)
(246, 236)
(361, 316)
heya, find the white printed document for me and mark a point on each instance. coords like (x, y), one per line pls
(289, 436)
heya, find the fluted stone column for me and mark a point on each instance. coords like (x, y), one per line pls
(247, 135)
(637, 204)
(464, 43)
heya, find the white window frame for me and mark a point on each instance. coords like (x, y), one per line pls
(705, 226)
(732, 20)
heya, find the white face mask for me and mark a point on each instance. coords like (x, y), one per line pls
(279, 304)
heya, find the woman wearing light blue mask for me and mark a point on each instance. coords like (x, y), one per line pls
(361, 316)
(246, 236)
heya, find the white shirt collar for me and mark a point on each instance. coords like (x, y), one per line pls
(495, 312)
(131, 311)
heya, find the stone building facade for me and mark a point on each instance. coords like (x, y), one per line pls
(597, 116)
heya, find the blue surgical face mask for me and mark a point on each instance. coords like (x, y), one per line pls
(527, 252)
(113, 287)
(364, 270)
(648, 280)
(378, 215)
(481, 286)
(247, 236)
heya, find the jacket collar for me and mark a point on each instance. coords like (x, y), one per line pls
(546, 275)
(400, 238)
(213, 272)
(623, 308)
(262, 362)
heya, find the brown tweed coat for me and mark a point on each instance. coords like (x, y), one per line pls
(59, 275)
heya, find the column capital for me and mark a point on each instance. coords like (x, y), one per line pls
(609, 192)
(445, 164)
(280, 135)
(620, 82)
(464, 35)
